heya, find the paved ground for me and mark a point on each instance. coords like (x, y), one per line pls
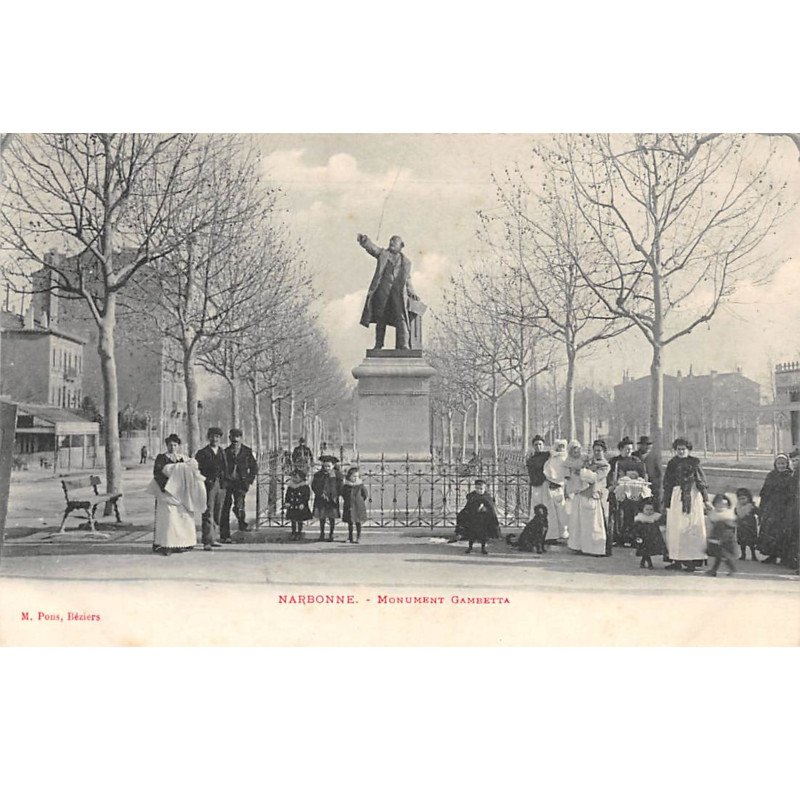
(233, 595)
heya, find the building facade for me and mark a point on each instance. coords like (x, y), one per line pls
(41, 363)
(152, 395)
(718, 412)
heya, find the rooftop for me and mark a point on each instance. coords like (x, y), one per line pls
(14, 323)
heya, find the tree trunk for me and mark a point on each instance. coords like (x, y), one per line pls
(464, 422)
(450, 435)
(236, 414)
(476, 429)
(273, 413)
(569, 395)
(258, 423)
(524, 410)
(190, 382)
(495, 448)
(108, 370)
(291, 419)
(657, 400)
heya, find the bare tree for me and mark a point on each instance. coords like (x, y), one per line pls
(541, 239)
(678, 218)
(207, 290)
(87, 193)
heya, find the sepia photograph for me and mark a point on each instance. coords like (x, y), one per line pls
(400, 389)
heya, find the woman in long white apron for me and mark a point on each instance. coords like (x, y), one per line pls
(685, 500)
(546, 491)
(180, 493)
(586, 484)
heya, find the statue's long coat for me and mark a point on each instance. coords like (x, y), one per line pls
(383, 256)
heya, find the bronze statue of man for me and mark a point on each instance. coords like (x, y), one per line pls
(389, 292)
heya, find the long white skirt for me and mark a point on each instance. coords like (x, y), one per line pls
(553, 501)
(686, 533)
(175, 526)
(587, 526)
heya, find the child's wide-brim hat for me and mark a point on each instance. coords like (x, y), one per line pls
(330, 459)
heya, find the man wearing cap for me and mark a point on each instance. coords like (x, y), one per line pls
(241, 470)
(647, 455)
(211, 461)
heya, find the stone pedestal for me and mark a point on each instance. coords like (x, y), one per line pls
(393, 398)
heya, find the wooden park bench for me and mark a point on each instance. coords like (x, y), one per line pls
(82, 495)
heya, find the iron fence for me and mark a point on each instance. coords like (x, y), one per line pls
(409, 494)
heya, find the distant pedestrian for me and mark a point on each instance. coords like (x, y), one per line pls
(295, 501)
(326, 486)
(302, 457)
(746, 523)
(211, 460)
(241, 471)
(354, 503)
(722, 539)
(143, 454)
(477, 521)
(647, 533)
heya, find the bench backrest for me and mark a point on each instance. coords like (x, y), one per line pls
(84, 482)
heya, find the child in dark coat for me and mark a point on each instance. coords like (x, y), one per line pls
(746, 523)
(354, 503)
(722, 539)
(477, 521)
(326, 486)
(295, 501)
(646, 532)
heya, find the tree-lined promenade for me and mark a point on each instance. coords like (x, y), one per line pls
(595, 236)
(182, 233)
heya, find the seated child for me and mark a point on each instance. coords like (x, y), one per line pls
(477, 521)
(647, 533)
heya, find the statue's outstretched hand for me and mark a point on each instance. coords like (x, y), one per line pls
(361, 238)
(413, 296)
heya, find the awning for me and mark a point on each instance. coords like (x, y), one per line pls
(53, 420)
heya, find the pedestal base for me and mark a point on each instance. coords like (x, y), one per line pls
(393, 399)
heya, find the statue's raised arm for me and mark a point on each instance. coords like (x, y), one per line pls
(389, 293)
(369, 245)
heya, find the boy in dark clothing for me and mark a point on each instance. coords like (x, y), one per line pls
(477, 521)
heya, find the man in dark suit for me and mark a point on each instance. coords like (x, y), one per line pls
(211, 461)
(241, 470)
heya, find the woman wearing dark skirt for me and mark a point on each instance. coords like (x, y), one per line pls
(778, 498)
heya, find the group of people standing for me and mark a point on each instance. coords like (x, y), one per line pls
(328, 486)
(580, 491)
(215, 482)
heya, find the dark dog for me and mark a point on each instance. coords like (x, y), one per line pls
(533, 535)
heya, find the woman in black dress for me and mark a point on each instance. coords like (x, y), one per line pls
(778, 498)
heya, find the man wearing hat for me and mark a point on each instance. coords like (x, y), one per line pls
(648, 456)
(302, 457)
(211, 461)
(241, 469)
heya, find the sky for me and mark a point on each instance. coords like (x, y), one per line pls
(428, 189)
